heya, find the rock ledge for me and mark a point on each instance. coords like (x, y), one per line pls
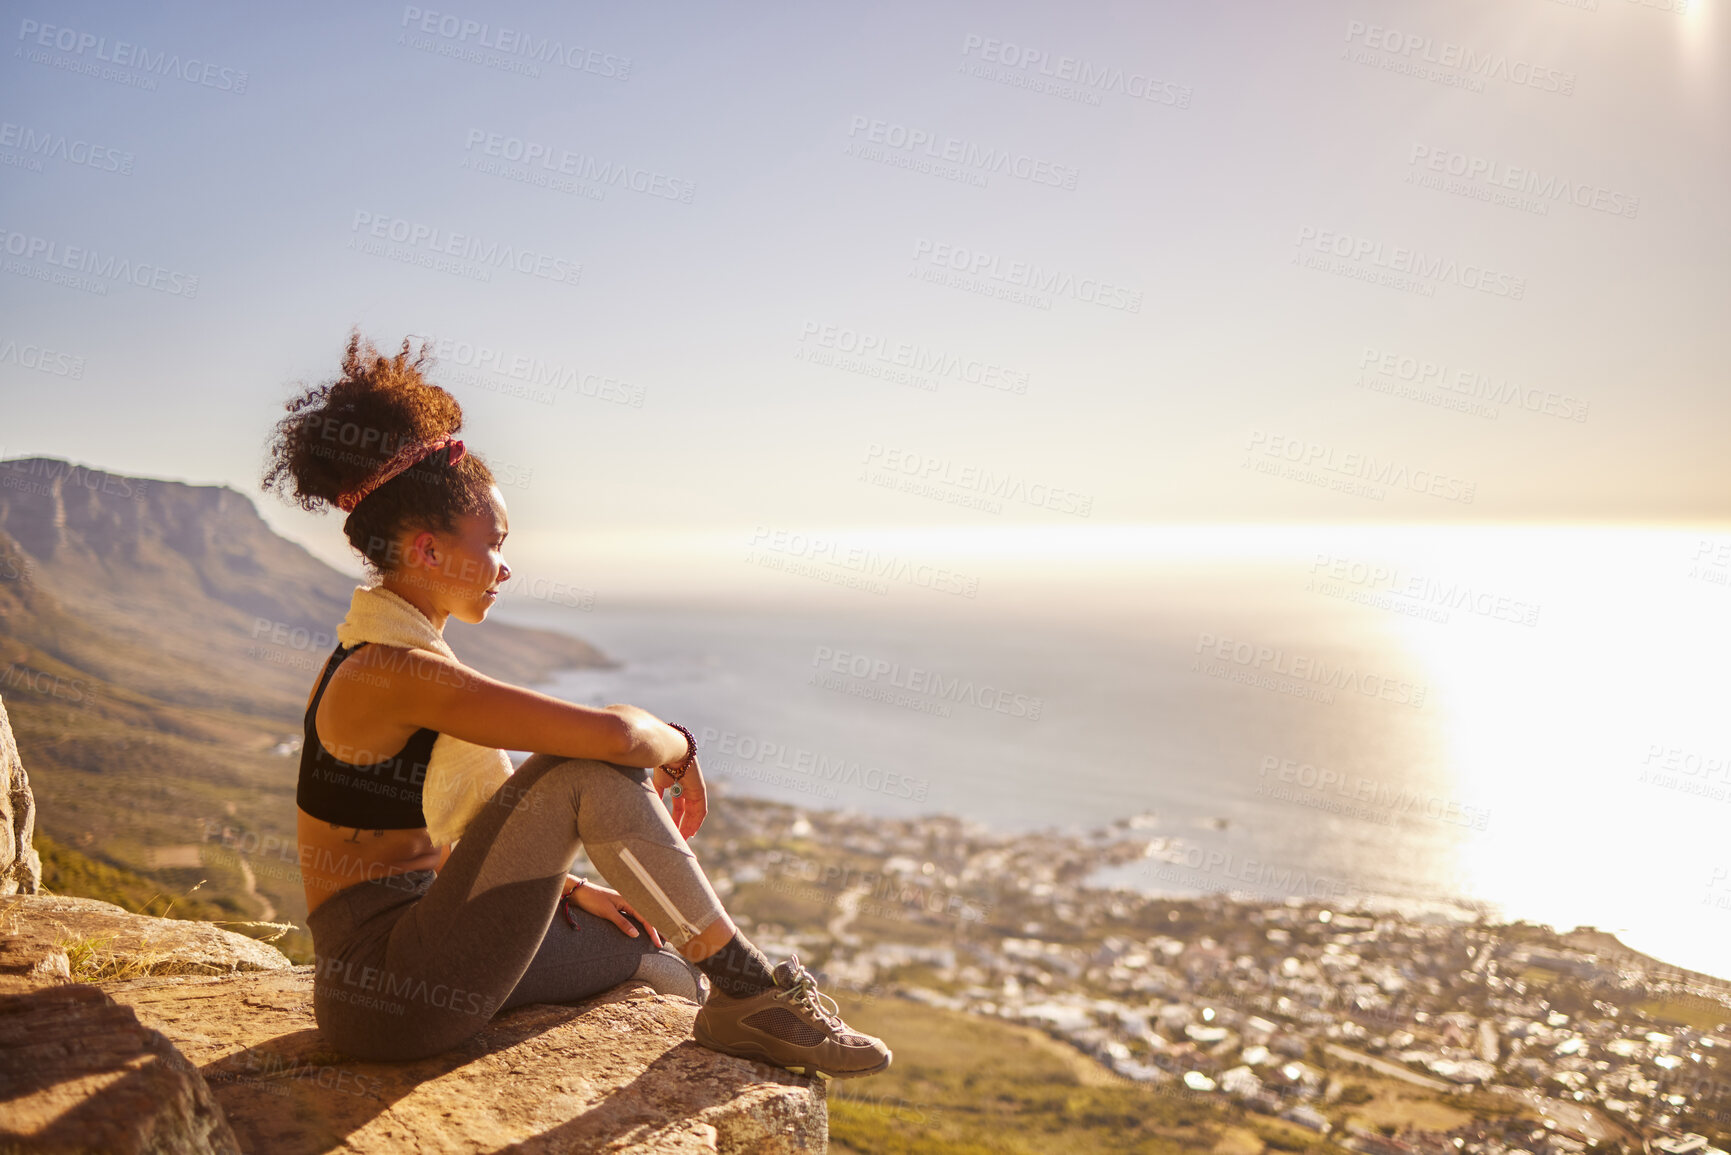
(619, 1072)
(194, 1040)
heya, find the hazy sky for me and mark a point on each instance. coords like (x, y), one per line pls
(895, 265)
(735, 294)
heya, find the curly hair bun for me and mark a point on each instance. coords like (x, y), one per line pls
(340, 435)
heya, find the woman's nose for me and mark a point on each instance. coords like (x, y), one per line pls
(504, 572)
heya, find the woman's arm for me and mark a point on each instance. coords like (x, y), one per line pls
(420, 689)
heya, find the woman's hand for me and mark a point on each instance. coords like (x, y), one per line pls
(692, 805)
(604, 902)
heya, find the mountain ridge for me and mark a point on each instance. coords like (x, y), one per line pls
(121, 547)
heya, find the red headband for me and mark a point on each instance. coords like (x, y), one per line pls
(406, 457)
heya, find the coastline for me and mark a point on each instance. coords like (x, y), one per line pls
(1166, 990)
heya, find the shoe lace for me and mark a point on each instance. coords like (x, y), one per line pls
(803, 992)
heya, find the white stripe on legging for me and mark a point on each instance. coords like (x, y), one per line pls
(654, 888)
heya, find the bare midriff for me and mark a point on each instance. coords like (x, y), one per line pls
(334, 857)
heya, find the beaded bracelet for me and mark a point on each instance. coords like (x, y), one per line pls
(570, 897)
(684, 764)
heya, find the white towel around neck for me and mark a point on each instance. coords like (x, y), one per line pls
(461, 776)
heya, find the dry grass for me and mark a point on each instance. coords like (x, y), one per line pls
(93, 959)
(1238, 1141)
(1403, 1105)
(281, 928)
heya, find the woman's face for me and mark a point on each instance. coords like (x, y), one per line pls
(463, 569)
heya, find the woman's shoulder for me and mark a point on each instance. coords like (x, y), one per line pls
(393, 667)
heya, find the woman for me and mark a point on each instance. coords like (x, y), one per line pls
(420, 936)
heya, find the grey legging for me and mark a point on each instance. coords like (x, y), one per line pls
(412, 964)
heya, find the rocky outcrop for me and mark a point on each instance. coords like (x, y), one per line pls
(78, 1072)
(617, 1073)
(58, 936)
(215, 1049)
(20, 865)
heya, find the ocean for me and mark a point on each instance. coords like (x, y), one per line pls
(1533, 727)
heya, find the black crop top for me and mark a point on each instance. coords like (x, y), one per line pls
(379, 795)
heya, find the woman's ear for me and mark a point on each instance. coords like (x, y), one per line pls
(423, 549)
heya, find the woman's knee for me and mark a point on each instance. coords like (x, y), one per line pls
(580, 771)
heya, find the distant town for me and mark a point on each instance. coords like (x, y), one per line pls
(1532, 1040)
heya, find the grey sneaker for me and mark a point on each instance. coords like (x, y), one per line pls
(792, 1025)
